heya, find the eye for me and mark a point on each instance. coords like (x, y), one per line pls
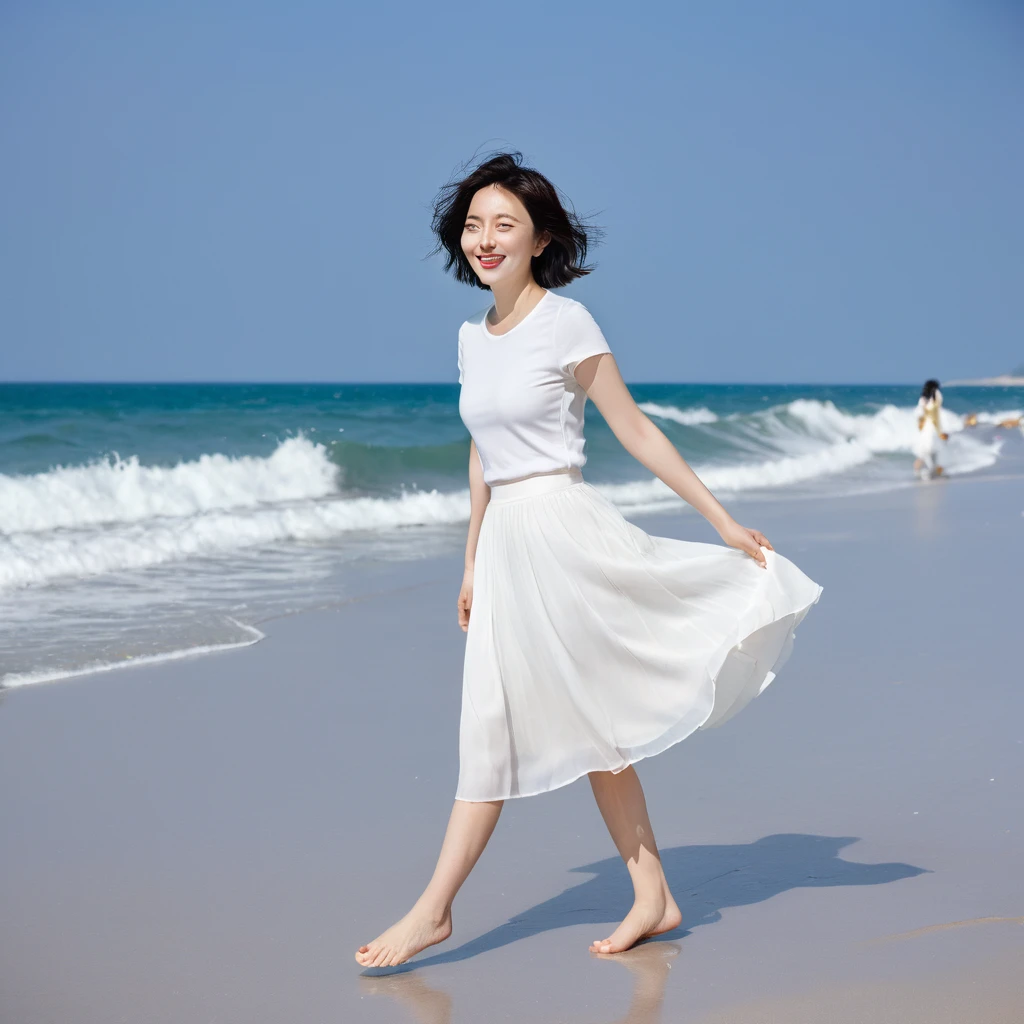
(504, 224)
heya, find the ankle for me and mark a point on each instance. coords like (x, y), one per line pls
(435, 910)
(651, 891)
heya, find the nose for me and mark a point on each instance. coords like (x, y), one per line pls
(487, 240)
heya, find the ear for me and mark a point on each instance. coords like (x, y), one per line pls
(542, 242)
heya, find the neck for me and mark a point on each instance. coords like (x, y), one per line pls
(513, 295)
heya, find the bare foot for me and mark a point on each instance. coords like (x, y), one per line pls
(417, 930)
(646, 918)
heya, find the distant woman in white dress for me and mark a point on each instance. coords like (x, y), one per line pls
(590, 644)
(925, 445)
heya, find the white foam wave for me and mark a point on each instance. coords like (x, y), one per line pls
(116, 490)
(117, 515)
(824, 441)
(770, 473)
(890, 429)
(35, 558)
(687, 417)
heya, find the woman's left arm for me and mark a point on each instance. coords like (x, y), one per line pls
(600, 378)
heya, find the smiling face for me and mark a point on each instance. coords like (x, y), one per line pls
(499, 239)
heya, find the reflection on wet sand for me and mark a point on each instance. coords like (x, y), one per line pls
(649, 964)
(427, 1005)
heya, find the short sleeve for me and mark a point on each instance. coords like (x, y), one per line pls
(460, 357)
(577, 337)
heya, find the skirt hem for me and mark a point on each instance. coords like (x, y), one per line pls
(679, 732)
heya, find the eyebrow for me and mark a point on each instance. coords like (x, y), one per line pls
(507, 216)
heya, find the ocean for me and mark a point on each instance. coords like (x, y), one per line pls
(151, 521)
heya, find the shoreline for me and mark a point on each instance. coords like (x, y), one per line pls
(245, 515)
(372, 575)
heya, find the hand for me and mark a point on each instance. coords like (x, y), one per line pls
(751, 541)
(465, 599)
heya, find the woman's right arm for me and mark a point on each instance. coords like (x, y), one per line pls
(479, 496)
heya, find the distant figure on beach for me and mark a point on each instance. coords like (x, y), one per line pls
(929, 431)
(590, 644)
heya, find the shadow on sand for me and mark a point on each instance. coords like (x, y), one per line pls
(705, 880)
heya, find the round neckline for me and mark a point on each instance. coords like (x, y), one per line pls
(498, 337)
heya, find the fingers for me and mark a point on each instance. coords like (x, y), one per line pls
(464, 604)
(755, 552)
(762, 540)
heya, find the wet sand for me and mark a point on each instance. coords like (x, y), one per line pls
(210, 839)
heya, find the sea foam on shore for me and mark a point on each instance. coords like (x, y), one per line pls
(141, 521)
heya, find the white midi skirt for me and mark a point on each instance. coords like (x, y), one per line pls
(925, 445)
(592, 644)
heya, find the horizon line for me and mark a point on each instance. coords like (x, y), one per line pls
(445, 383)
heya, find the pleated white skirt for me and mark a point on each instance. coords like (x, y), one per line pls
(592, 644)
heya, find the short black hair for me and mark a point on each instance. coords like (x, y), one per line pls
(563, 259)
(929, 389)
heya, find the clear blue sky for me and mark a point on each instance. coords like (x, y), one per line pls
(799, 191)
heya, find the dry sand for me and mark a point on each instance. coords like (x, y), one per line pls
(209, 840)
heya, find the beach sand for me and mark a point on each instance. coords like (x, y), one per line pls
(209, 840)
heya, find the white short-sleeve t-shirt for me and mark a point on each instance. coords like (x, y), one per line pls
(519, 399)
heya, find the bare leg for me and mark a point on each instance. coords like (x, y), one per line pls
(621, 800)
(430, 920)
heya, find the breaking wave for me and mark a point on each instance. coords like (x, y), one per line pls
(117, 514)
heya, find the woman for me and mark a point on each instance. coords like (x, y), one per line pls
(590, 644)
(925, 445)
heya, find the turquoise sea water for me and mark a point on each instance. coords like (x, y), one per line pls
(144, 520)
